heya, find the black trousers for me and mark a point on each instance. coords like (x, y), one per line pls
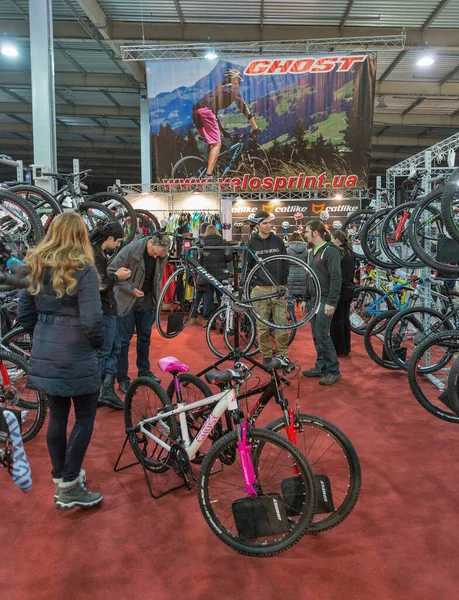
(67, 455)
(340, 328)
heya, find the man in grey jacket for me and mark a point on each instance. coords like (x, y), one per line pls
(136, 300)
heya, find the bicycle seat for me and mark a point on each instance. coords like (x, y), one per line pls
(278, 363)
(217, 377)
(170, 364)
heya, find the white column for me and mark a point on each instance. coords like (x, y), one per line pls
(43, 102)
(145, 142)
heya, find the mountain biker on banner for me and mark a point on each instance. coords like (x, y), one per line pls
(205, 112)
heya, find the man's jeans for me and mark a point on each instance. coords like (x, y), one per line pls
(108, 354)
(327, 360)
(143, 321)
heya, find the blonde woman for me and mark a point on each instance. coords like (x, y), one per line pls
(62, 309)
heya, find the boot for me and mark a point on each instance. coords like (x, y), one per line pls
(108, 396)
(74, 493)
(57, 481)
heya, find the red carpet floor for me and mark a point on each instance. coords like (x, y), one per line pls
(400, 542)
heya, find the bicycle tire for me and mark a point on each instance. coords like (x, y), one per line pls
(213, 325)
(10, 340)
(450, 200)
(317, 463)
(372, 229)
(392, 340)
(130, 219)
(409, 263)
(375, 326)
(150, 217)
(453, 383)
(39, 405)
(372, 292)
(158, 463)
(361, 217)
(207, 474)
(449, 337)
(179, 304)
(179, 170)
(34, 227)
(86, 211)
(314, 290)
(415, 227)
(30, 193)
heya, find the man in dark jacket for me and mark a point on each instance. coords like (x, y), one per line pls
(108, 237)
(265, 244)
(325, 261)
(215, 262)
(136, 298)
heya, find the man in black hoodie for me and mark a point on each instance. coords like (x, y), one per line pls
(108, 237)
(265, 244)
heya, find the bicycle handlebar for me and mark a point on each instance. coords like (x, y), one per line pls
(67, 175)
(16, 281)
(8, 161)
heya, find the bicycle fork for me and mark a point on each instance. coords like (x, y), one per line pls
(245, 452)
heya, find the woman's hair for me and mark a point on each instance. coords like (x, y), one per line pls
(212, 230)
(65, 249)
(203, 228)
(344, 243)
(296, 237)
(320, 228)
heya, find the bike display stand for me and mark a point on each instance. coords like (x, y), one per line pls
(146, 472)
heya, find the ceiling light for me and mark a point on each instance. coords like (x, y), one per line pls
(210, 55)
(9, 51)
(382, 102)
(426, 60)
(338, 197)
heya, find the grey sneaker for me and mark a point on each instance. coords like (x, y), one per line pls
(329, 379)
(81, 477)
(314, 372)
(71, 494)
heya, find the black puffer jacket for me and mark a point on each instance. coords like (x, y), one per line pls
(297, 275)
(67, 332)
(108, 281)
(215, 261)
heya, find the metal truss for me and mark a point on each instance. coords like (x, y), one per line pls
(384, 43)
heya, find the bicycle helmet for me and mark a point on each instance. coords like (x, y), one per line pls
(231, 74)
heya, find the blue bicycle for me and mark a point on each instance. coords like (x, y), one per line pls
(239, 157)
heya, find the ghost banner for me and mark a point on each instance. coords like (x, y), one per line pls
(262, 123)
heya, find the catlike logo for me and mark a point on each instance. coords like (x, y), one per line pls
(268, 207)
(318, 208)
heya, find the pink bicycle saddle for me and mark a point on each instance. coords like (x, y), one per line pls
(170, 363)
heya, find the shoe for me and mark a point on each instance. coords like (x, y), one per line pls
(204, 322)
(81, 477)
(329, 379)
(108, 396)
(124, 385)
(150, 375)
(194, 321)
(71, 494)
(314, 372)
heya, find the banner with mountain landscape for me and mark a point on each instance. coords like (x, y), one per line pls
(314, 114)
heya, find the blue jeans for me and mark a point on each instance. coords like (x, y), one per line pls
(108, 354)
(327, 360)
(142, 321)
(208, 303)
(199, 296)
(67, 456)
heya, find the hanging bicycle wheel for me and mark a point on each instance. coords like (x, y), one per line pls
(15, 395)
(428, 373)
(147, 222)
(394, 238)
(272, 272)
(334, 464)
(144, 399)
(352, 227)
(450, 205)
(44, 203)
(374, 340)
(371, 240)
(19, 223)
(121, 208)
(408, 328)
(189, 166)
(94, 214)
(176, 303)
(279, 515)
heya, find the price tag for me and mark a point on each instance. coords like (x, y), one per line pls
(356, 320)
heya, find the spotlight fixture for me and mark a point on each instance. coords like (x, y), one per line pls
(381, 103)
(339, 197)
(210, 55)
(9, 50)
(426, 59)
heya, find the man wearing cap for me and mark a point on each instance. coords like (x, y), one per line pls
(105, 238)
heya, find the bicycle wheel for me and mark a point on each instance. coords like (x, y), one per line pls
(363, 307)
(453, 387)
(176, 303)
(274, 270)
(352, 226)
(94, 213)
(144, 399)
(147, 221)
(44, 203)
(17, 340)
(121, 208)
(434, 357)
(194, 389)
(220, 332)
(371, 240)
(284, 486)
(189, 166)
(450, 205)
(374, 340)
(15, 395)
(334, 464)
(408, 328)
(19, 223)
(395, 241)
